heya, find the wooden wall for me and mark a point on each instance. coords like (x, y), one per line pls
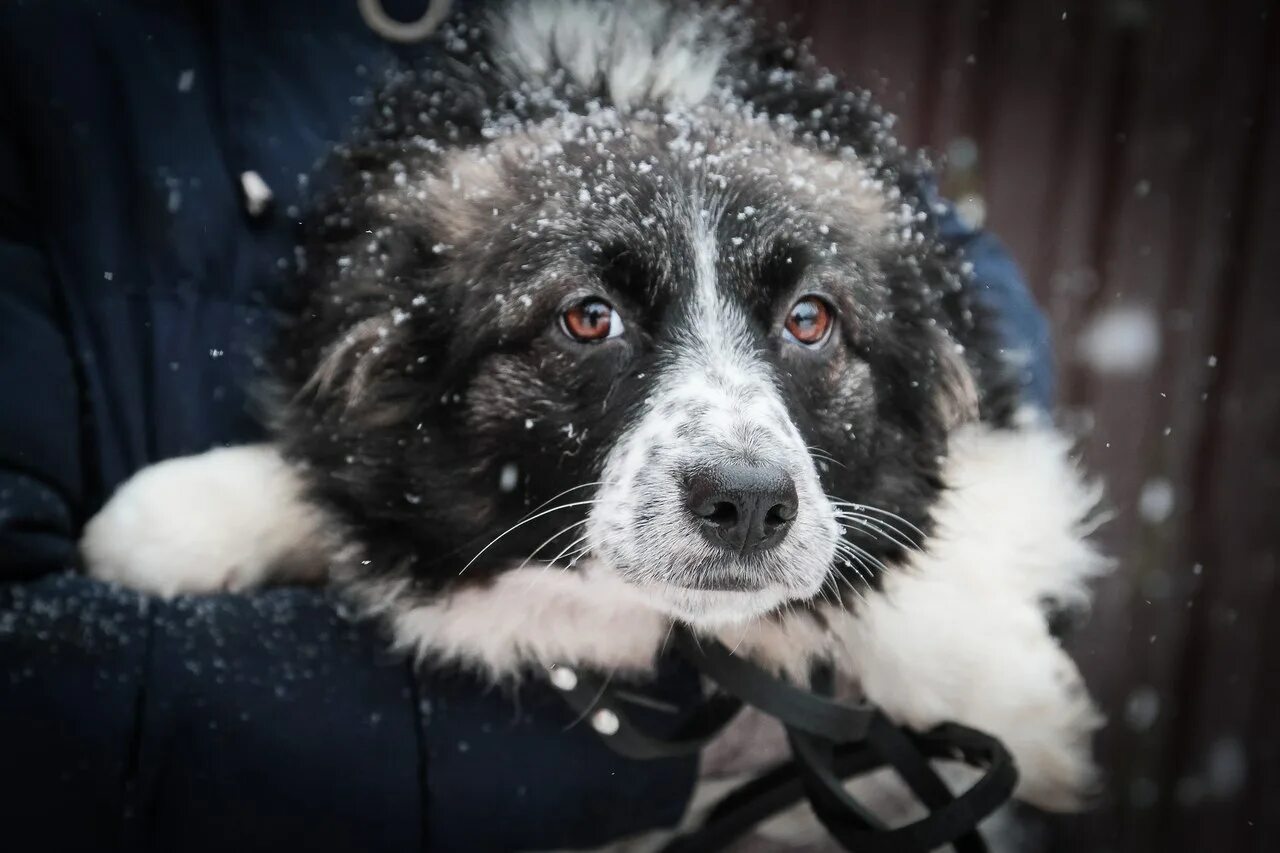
(1129, 154)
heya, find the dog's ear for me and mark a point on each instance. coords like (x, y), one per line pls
(347, 365)
(365, 350)
(464, 189)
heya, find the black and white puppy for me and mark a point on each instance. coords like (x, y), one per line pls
(625, 313)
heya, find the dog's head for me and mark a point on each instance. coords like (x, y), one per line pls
(702, 348)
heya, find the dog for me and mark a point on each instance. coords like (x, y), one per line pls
(628, 314)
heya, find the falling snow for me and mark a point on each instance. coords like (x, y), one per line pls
(1226, 767)
(508, 478)
(1142, 708)
(1156, 501)
(1121, 341)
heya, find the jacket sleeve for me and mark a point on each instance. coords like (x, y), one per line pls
(250, 722)
(40, 463)
(1023, 328)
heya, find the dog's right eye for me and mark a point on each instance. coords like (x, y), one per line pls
(591, 320)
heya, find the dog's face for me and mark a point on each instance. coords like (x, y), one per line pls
(667, 348)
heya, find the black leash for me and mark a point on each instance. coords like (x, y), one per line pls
(830, 743)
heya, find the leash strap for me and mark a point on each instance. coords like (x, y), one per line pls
(797, 709)
(830, 743)
(819, 728)
(593, 699)
(952, 820)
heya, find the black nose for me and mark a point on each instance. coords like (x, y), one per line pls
(743, 507)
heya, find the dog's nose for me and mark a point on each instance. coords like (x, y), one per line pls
(743, 507)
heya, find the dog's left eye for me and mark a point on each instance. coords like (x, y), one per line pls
(590, 320)
(809, 321)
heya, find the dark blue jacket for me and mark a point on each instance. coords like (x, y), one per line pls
(134, 288)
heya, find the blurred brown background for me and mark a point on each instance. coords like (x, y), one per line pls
(1128, 152)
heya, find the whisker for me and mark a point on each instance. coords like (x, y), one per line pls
(574, 557)
(671, 627)
(819, 453)
(853, 588)
(791, 610)
(885, 529)
(863, 552)
(883, 522)
(858, 507)
(745, 628)
(535, 551)
(834, 590)
(567, 491)
(571, 547)
(522, 523)
(463, 546)
(855, 561)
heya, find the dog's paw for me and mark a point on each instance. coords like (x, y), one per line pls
(228, 519)
(1050, 733)
(931, 651)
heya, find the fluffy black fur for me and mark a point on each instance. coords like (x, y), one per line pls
(419, 368)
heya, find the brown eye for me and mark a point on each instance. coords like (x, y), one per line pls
(592, 320)
(809, 321)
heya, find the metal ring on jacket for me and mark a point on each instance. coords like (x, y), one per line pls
(404, 32)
